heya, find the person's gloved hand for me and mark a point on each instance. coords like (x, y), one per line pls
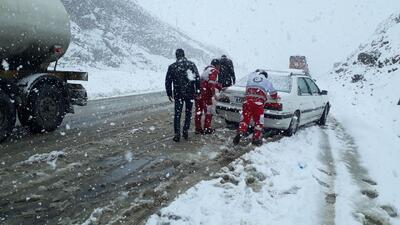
(170, 99)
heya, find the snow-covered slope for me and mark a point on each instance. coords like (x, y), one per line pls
(365, 97)
(124, 48)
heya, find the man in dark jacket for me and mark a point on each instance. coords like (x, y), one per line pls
(182, 84)
(226, 76)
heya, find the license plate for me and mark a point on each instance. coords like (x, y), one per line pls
(239, 100)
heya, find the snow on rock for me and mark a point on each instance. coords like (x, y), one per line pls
(271, 185)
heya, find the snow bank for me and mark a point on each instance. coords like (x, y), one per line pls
(275, 184)
(113, 82)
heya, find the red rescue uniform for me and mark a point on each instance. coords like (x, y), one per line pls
(204, 102)
(257, 90)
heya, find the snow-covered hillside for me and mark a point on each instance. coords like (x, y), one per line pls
(368, 81)
(365, 97)
(124, 48)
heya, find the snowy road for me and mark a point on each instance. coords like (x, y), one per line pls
(114, 163)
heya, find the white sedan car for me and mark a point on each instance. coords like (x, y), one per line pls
(301, 102)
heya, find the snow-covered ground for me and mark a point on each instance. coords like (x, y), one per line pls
(114, 82)
(275, 184)
(314, 177)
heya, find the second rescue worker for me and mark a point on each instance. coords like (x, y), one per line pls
(204, 102)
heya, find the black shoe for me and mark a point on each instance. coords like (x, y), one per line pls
(185, 135)
(257, 143)
(209, 131)
(199, 132)
(177, 138)
(237, 138)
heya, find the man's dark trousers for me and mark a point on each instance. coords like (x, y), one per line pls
(178, 113)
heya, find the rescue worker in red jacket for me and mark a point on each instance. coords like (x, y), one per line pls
(257, 89)
(204, 102)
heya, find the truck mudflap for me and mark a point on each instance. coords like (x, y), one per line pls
(78, 94)
(70, 75)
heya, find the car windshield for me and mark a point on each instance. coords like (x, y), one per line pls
(280, 83)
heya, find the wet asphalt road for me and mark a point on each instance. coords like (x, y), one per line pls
(113, 161)
(98, 116)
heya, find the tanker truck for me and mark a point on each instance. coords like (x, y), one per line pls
(33, 36)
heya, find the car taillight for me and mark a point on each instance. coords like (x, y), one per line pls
(274, 106)
(224, 99)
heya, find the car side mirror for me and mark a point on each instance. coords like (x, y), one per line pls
(323, 92)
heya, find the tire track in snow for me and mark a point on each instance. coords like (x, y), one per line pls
(327, 159)
(366, 208)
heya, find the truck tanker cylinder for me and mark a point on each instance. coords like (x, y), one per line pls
(33, 33)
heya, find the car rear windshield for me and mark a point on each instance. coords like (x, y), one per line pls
(280, 83)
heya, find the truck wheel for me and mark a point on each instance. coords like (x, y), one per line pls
(23, 117)
(7, 116)
(47, 108)
(294, 125)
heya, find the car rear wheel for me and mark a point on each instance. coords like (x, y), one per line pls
(7, 116)
(294, 124)
(324, 116)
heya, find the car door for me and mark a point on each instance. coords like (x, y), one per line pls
(306, 100)
(317, 99)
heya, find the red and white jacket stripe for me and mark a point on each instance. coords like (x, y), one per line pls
(258, 87)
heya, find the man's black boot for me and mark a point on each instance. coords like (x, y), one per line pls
(177, 138)
(199, 131)
(185, 135)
